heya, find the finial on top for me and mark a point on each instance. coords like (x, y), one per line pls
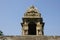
(32, 6)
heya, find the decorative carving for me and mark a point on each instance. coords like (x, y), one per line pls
(31, 22)
(32, 11)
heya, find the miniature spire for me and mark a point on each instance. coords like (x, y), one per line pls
(32, 11)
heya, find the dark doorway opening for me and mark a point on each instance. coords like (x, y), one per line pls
(31, 28)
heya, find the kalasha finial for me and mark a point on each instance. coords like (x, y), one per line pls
(32, 6)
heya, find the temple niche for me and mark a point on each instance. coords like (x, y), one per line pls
(32, 22)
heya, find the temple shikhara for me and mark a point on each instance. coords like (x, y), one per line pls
(32, 27)
(32, 22)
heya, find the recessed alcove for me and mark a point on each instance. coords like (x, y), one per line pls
(31, 28)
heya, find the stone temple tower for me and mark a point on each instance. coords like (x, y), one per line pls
(32, 22)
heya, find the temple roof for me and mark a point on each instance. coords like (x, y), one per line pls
(32, 8)
(32, 12)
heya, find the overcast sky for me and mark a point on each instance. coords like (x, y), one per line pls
(12, 11)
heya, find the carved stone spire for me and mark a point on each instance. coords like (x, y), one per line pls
(32, 22)
(32, 12)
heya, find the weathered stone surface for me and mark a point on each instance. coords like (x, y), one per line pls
(31, 17)
(32, 23)
(29, 37)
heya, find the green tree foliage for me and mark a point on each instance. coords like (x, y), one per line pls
(1, 33)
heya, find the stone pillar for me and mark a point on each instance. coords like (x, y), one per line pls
(22, 32)
(37, 32)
